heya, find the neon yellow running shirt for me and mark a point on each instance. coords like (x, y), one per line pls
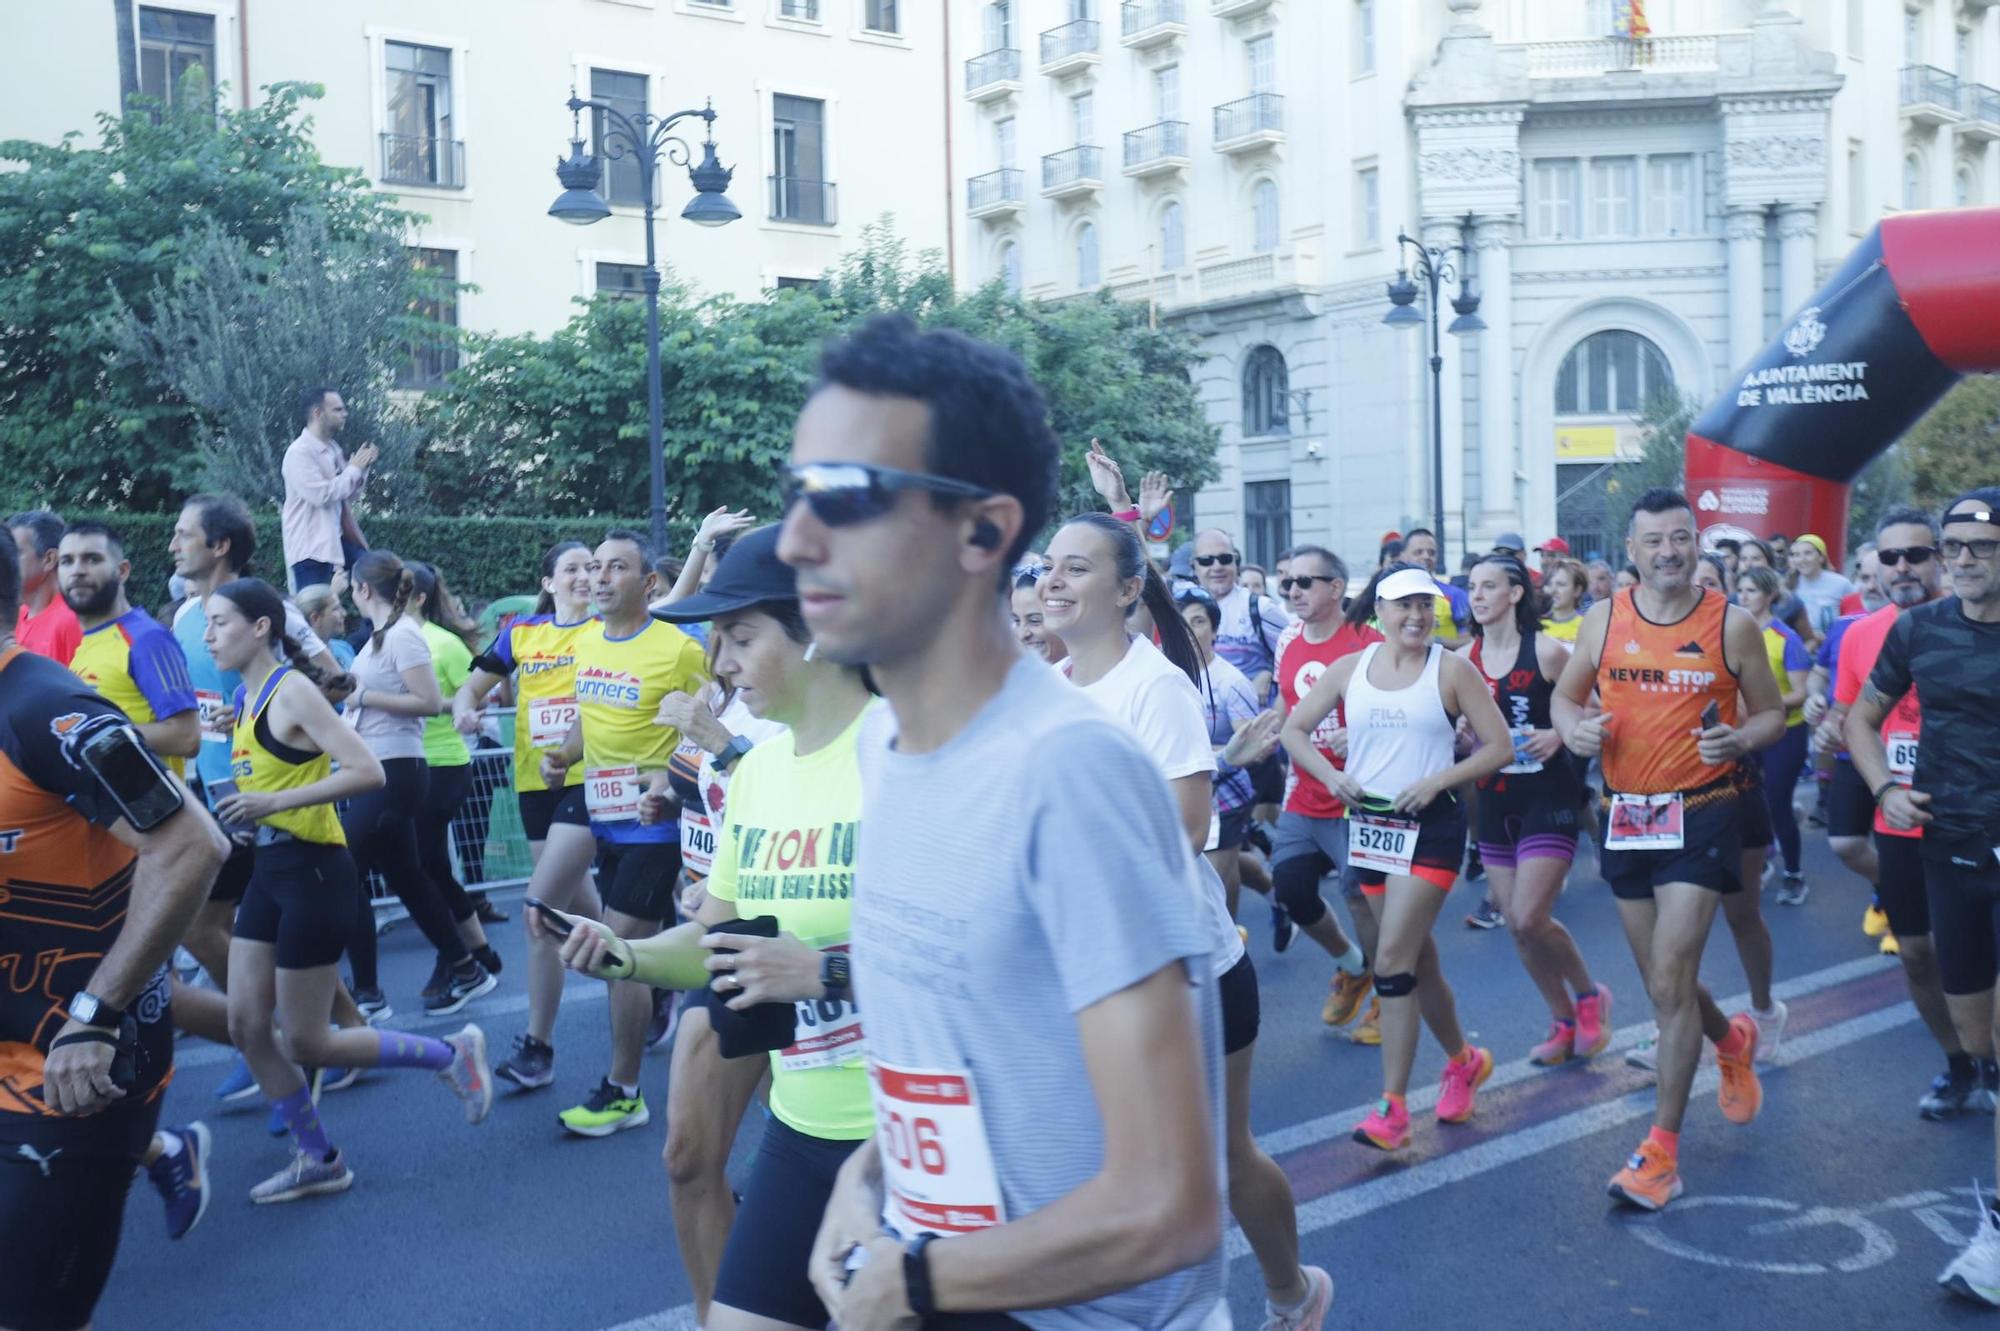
(619, 684)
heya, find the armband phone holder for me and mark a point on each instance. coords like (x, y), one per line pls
(755, 1030)
(131, 782)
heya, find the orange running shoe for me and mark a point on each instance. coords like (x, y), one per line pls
(1741, 1095)
(1650, 1179)
(1344, 993)
(1368, 1030)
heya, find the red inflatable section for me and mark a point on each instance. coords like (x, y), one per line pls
(1736, 495)
(1947, 270)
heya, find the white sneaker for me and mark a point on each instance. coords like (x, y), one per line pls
(469, 1075)
(1770, 1028)
(1975, 1273)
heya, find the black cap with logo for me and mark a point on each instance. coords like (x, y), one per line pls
(750, 574)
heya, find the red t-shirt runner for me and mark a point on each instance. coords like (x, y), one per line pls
(1300, 664)
(55, 633)
(1904, 725)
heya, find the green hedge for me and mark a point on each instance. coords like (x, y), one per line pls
(482, 558)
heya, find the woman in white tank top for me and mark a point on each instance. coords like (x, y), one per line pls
(1406, 831)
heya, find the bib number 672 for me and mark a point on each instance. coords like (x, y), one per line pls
(915, 1143)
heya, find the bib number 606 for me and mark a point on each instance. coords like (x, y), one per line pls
(914, 1144)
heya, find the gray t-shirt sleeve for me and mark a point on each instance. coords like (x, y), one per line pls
(1107, 870)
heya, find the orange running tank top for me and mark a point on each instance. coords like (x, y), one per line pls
(1655, 679)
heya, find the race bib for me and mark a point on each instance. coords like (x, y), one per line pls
(612, 794)
(1381, 845)
(697, 841)
(218, 718)
(549, 721)
(1902, 758)
(1647, 822)
(826, 1032)
(1525, 763)
(935, 1157)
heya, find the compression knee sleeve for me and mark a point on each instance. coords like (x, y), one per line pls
(1296, 885)
(1395, 986)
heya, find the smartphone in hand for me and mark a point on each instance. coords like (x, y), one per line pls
(1711, 716)
(552, 919)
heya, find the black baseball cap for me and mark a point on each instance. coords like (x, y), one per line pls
(750, 574)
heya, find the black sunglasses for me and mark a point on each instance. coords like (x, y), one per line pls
(1305, 580)
(841, 494)
(1951, 548)
(1916, 555)
(1206, 560)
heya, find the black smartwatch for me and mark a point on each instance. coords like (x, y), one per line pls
(90, 1010)
(834, 974)
(917, 1278)
(732, 752)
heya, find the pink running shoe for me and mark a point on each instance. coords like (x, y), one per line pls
(1593, 1022)
(1387, 1127)
(1558, 1048)
(1462, 1077)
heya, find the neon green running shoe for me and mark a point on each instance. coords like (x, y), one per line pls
(606, 1110)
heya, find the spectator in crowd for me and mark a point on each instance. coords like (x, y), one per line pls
(1729, 548)
(1816, 584)
(323, 610)
(320, 533)
(1550, 553)
(1454, 609)
(1252, 578)
(1602, 583)
(45, 624)
(1390, 552)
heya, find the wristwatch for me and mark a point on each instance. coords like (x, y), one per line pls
(917, 1278)
(834, 974)
(735, 749)
(90, 1010)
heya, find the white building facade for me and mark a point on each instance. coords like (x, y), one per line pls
(1635, 214)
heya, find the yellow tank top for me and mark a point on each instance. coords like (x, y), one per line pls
(259, 762)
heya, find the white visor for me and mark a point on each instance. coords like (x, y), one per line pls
(1405, 582)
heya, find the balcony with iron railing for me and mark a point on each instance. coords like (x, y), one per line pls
(1980, 105)
(993, 74)
(807, 202)
(1156, 148)
(420, 160)
(1146, 23)
(1691, 53)
(1250, 122)
(996, 193)
(1928, 95)
(1070, 47)
(1073, 171)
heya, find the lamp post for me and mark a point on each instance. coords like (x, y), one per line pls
(1434, 265)
(645, 138)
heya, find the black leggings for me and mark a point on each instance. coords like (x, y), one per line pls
(449, 787)
(381, 829)
(1782, 763)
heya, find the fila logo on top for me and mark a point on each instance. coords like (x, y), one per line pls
(1804, 337)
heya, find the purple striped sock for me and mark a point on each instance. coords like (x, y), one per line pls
(399, 1049)
(301, 1116)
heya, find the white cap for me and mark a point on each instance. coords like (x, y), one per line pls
(1405, 582)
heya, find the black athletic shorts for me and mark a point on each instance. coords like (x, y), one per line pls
(543, 809)
(638, 877)
(1899, 885)
(1440, 851)
(1711, 851)
(63, 1185)
(1527, 819)
(1234, 829)
(764, 1263)
(233, 879)
(1850, 810)
(1241, 1011)
(304, 897)
(1963, 886)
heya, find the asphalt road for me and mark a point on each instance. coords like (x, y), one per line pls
(1836, 1208)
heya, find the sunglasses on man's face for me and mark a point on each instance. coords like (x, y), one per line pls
(841, 494)
(1915, 555)
(1207, 561)
(1304, 581)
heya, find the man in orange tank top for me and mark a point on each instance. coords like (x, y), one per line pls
(1668, 660)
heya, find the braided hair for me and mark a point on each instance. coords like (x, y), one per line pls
(258, 599)
(388, 578)
(1527, 610)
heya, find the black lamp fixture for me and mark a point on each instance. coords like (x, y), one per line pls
(1432, 266)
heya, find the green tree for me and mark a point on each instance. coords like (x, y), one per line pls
(83, 228)
(1954, 447)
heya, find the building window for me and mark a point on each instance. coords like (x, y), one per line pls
(1086, 257)
(816, 285)
(621, 279)
(1264, 216)
(1003, 142)
(1557, 198)
(1613, 373)
(436, 355)
(625, 93)
(806, 11)
(882, 17)
(1010, 268)
(1263, 63)
(1267, 521)
(170, 44)
(1673, 203)
(1167, 91)
(1857, 187)
(1083, 117)
(419, 147)
(999, 21)
(799, 188)
(1173, 238)
(1913, 181)
(1368, 207)
(1267, 405)
(1614, 197)
(1364, 37)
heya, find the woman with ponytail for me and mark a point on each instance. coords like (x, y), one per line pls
(396, 689)
(304, 893)
(1098, 575)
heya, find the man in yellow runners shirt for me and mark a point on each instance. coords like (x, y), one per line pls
(127, 655)
(623, 668)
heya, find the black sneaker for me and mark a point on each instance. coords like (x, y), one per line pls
(440, 979)
(1283, 928)
(1488, 916)
(467, 983)
(1474, 869)
(1952, 1092)
(374, 1006)
(531, 1066)
(488, 958)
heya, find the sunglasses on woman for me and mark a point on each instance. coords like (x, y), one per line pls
(842, 494)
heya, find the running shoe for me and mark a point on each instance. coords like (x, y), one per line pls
(1462, 1079)
(1368, 1030)
(531, 1066)
(666, 1017)
(1875, 920)
(1560, 1047)
(1645, 1055)
(237, 1085)
(1770, 1029)
(1344, 993)
(182, 1178)
(1474, 870)
(1889, 947)
(1952, 1092)
(440, 980)
(1650, 1179)
(606, 1110)
(304, 1177)
(1740, 1094)
(490, 959)
(469, 1075)
(1793, 891)
(1283, 929)
(1593, 1022)
(1488, 916)
(374, 1007)
(1308, 1315)
(339, 1079)
(1387, 1127)
(464, 987)
(1975, 1273)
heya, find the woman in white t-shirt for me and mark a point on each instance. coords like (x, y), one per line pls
(1098, 574)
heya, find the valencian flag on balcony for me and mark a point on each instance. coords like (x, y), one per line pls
(1629, 19)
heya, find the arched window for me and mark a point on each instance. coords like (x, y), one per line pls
(1086, 256)
(1267, 408)
(1010, 267)
(1913, 181)
(1264, 216)
(1613, 373)
(1173, 239)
